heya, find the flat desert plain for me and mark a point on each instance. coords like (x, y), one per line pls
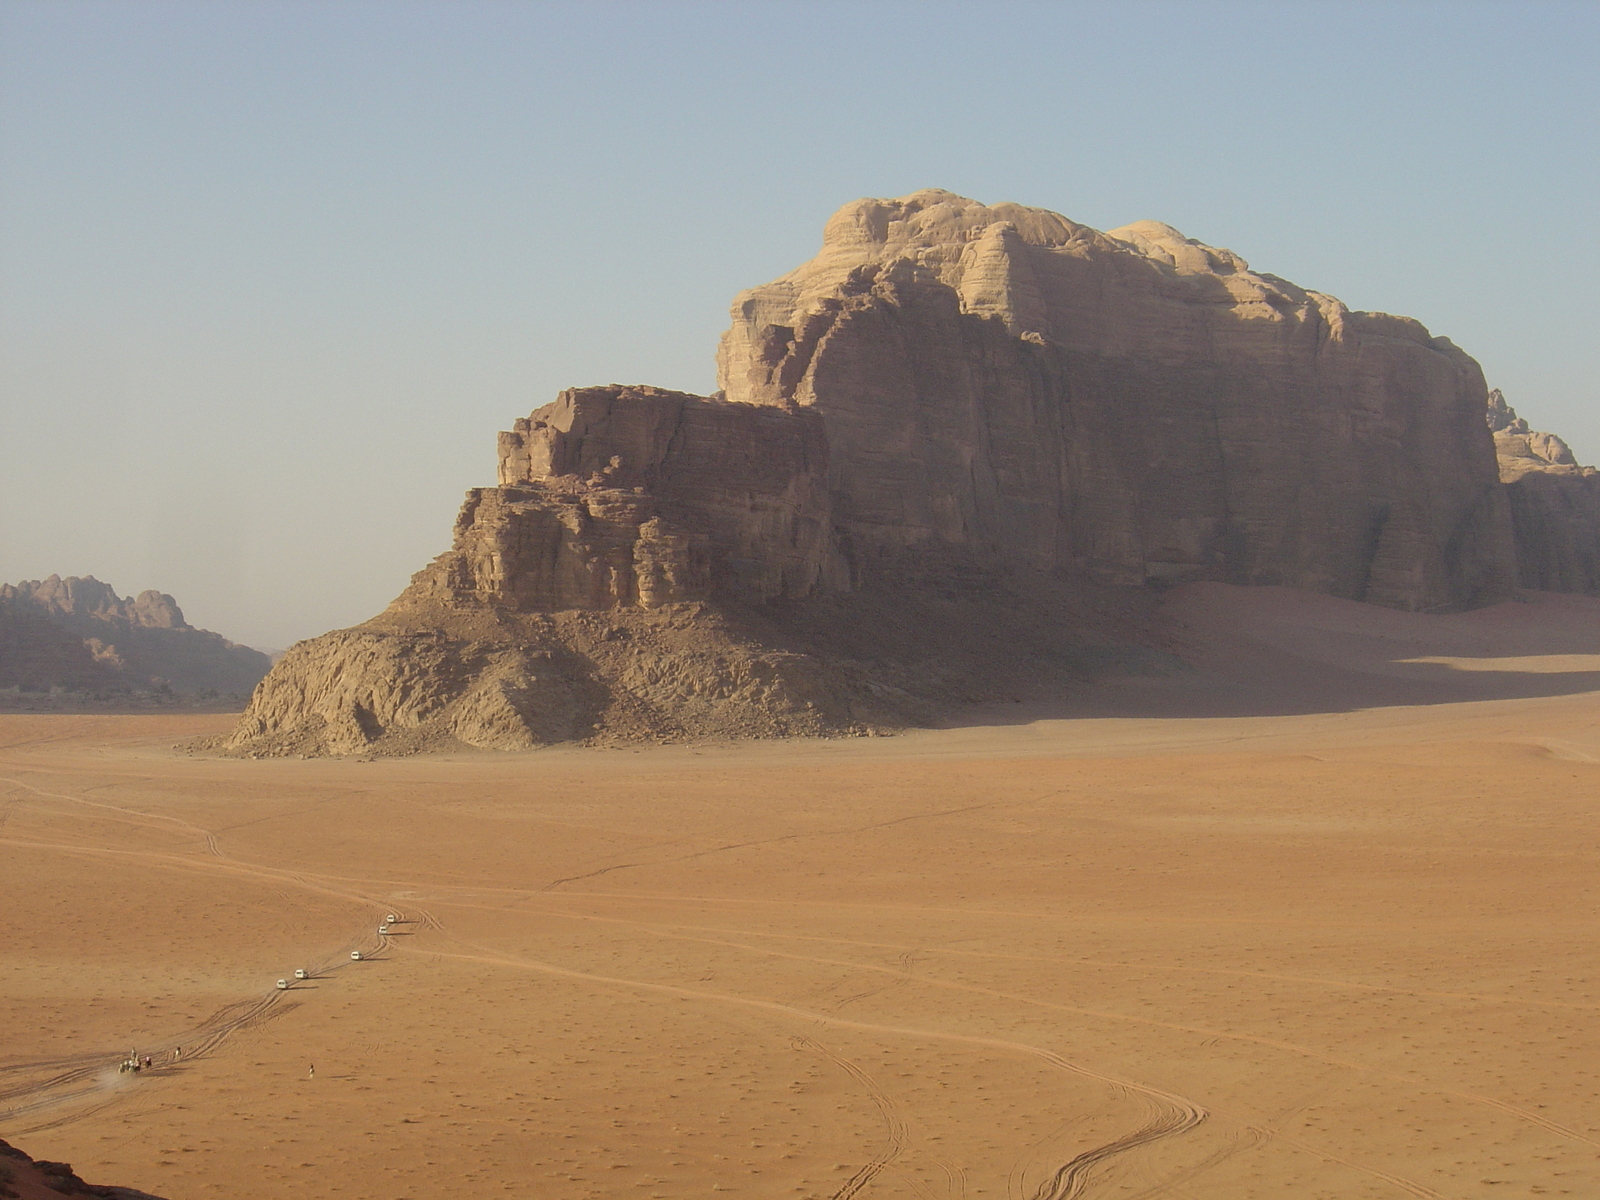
(1318, 923)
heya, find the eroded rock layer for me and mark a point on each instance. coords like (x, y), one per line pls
(423, 677)
(953, 457)
(585, 596)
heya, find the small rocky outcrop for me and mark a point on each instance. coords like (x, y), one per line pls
(77, 635)
(1555, 504)
(953, 458)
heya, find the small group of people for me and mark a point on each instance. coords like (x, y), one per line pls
(134, 1062)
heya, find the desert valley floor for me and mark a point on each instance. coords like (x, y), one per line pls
(1347, 951)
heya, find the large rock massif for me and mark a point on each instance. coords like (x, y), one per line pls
(80, 637)
(962, 446)
(1129, 405)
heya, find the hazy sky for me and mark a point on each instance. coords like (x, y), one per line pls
(273, 274)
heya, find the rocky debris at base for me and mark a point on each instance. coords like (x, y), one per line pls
(23, 1178)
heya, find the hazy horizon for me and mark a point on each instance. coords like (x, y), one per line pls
(274, 274)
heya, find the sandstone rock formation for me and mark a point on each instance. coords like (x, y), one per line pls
(574, 603)
(81, 636)
(621, 497)
(953, 456)
(1555, 504)
(1009, 386)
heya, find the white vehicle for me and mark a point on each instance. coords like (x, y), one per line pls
(302, 973)
(382, 929)
(355, 955)
(282, 984)
(391, 918)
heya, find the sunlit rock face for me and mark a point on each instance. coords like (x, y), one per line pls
(580, 597)
(1133, 405)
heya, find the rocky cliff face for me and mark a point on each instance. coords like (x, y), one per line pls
(960, 448)
(78, 634)
(1555, 504)
(623, 497)
(1002, 384)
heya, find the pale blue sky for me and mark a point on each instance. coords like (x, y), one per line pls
(273, 274)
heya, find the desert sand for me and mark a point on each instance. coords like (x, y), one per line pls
(1315, 921)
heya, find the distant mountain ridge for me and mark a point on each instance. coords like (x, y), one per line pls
(79, 635)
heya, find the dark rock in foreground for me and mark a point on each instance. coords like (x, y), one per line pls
(21, 1178)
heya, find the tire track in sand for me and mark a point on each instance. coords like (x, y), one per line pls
(98, 1076)
(84, 1075)
(132, 816)
(1073, 1176)
(1176, 1115)
(898, 1132)
(1271, 1043)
